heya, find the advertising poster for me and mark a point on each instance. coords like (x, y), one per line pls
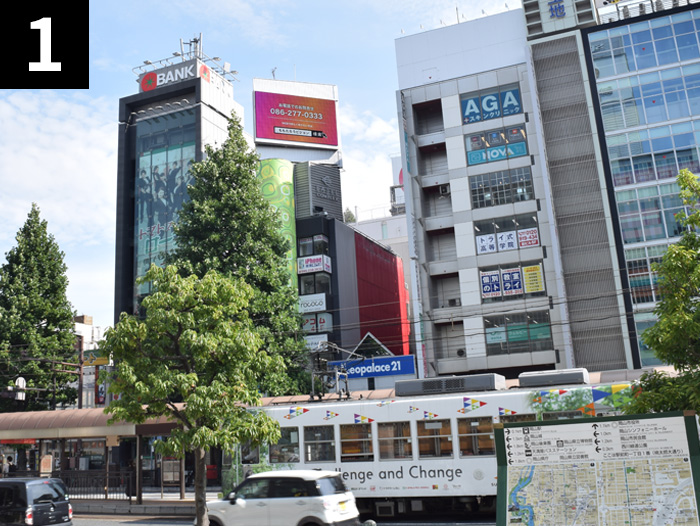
(293, 118)
(486, 244)
(528, 237)
(533, 279)
(490, 284)
(506, 241)
(512, 281)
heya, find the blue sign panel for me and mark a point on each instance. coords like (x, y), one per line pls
(384, 366)
(510, 102)
(482, 106)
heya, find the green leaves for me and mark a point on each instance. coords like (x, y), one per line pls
(675, 337)
(36, 318)
(196, 357)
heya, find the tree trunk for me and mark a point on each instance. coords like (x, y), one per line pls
(200, 487)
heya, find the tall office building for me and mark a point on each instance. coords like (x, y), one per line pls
(539, 148)
(183, 104)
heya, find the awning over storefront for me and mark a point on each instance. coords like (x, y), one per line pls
(74, 423)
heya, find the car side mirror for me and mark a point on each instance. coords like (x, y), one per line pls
(231, 497)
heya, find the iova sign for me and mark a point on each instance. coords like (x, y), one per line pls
(477, 107)
(173, 74)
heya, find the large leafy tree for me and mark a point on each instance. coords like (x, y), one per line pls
(196, 358)
(228, 226)
(36, 319)
(675, 337)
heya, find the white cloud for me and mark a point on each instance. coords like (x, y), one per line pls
(59, 151)
(368, 141)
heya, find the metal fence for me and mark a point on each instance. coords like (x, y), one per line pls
(96, 484)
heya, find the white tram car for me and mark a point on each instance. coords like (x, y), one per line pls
(429, 454)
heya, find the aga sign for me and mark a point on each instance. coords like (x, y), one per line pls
(482, 106)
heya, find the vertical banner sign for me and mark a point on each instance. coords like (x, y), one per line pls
(640, 469)
(276, 179)
(533, 279)
(490, 284)
(512, 281)
(49, 46)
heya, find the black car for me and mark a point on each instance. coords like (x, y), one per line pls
(37, 501)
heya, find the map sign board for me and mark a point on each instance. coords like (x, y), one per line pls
(600, 471)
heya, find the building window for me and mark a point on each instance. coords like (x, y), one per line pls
(518, 332)
(500, 188)
(642, 278)
(650, 213)
(395, 441)
(356, 443)
(314, 246)
(496, 145)
(506, 233)
(319, 444)
(434, 439)
(314, 283)
(506, 282)
(476, 436)
(287, 449)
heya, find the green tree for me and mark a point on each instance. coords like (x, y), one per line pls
(228, 226)
(36, 318)
(349, 217)
(195, 358)
(675, 337)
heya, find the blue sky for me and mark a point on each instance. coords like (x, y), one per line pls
(58, 148)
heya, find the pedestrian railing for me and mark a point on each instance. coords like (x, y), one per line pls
(98, 485)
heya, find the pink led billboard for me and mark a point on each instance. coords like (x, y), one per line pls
(295, 119)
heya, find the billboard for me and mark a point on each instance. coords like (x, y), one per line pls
(295, 119)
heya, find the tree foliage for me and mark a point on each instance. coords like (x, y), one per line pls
(36, 318)
(196, 358)
(228, 226)
(675, 337)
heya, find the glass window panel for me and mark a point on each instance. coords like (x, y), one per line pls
(319, 444)
(631, 229)
(673, 226)
(655, 108)
(628, 208)
(688, 159)
(634, 113)
(644, 55)
(395, 441)
(622, 172)
(641, 37)
(665, 165)
(287, 448)
(666, 51)
(612, 116)
(643, 168)
(687, 46)
(662, 32)
(434, 438)
(683, 27)
(677, 105)
(662, 144)
(603, 64)
(653, 226)
(356, 443)
(476, 436)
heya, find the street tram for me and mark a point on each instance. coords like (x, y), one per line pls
(425, 448)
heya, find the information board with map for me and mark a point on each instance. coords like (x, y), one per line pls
(609, 471)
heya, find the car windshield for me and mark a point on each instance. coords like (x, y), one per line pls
(331, 485)
(46, 491)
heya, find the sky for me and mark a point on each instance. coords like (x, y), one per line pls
(59, 148)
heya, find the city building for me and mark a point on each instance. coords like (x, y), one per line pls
(349, 285)
(183, 104)
(539, 148)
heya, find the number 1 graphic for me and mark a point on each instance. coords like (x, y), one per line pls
(44, 64)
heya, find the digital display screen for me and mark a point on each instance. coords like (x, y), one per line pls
(293, 118)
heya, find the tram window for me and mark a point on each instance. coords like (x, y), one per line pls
(476, 436)
(319, 444)
(356, 443)
(562, 415)
(395, 441)
(287, 449)
(249, 455)
(434, 439)
(524, 417)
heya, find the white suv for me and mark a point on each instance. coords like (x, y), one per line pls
(287, 498)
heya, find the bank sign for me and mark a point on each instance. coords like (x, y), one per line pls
(481, 106)
(372, 367)
(174, 74)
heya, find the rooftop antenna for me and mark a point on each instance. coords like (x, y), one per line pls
(273, 72)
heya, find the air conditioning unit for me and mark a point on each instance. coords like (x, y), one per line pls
(454, 302)
(444, 189)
